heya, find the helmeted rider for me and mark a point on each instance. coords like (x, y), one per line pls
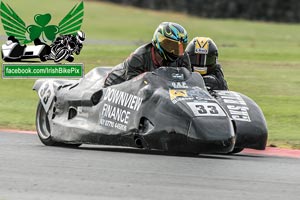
(69, 44)
(203, 53)
(166, 49)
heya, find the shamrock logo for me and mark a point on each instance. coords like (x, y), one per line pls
(15, 26)
(48, 31)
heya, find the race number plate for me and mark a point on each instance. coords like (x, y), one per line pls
(46, 94)
(206, 109)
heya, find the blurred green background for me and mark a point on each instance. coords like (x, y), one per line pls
(260, 60)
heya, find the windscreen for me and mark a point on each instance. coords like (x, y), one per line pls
(173, 73)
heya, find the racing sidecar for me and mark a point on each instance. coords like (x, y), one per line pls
(168, 109)
(13, 51)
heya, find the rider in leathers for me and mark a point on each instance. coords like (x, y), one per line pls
(203, 53)
(167, 49)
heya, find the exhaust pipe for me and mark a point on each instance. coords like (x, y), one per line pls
(138, 142)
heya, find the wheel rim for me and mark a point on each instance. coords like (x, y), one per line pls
(43, 124)
(60, 54)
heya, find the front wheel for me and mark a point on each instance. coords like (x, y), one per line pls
(236, 150)
(44, 130)
(60, 55)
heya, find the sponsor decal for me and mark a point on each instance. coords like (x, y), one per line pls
(123, 99)
(178, 99)
(236, 105)
(198, 93)
(201, 45)
(178, 76)
(201, 50)
(191, 94)
(118, 107)
(179, 85)
(206, 109)
(177, 93)
(46, 94)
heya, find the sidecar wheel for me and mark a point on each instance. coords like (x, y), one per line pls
(43, 126)
(44, 131)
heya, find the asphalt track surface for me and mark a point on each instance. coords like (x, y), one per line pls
(30, 170)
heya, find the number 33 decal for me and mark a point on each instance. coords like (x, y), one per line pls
(46, 94)
(206, 109)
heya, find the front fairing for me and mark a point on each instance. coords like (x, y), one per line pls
(185, 110)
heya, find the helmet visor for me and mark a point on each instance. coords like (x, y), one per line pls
(202, 60)
(173, 47)
(198, 60)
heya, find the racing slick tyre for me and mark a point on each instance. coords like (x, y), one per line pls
(236, 150)
(70, 58)
(60, 54)
(43, 129)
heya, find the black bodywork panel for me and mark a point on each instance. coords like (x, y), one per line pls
(168, 109)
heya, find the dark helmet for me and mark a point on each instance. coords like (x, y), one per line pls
(170, 40)
(203, 54)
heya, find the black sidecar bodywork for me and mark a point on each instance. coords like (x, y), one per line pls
(168, 109)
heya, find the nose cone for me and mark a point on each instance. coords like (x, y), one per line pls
(211, 135)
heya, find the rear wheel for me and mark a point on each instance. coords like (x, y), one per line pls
(44, 130)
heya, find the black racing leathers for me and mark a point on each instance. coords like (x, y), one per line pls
(214, 79)
(140, 61)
